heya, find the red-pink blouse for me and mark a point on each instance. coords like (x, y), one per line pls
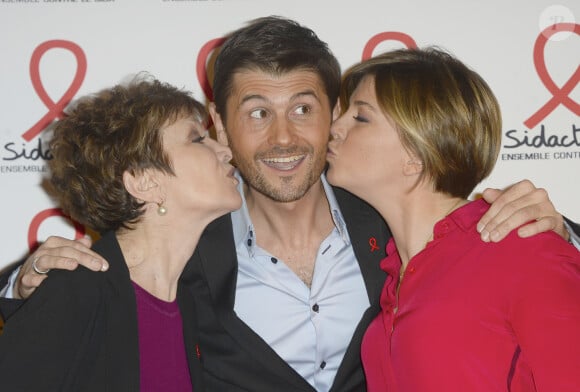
(475, 316)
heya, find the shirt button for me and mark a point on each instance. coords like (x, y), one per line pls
(315, 308)
(274, 260)
(411, 270)
(323, 365)
(249, 242)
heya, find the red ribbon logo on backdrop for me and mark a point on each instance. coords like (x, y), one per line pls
(559, 95)
(210, 46)
(41, 217)
(55, 109)
(386, 36)
(201, 65)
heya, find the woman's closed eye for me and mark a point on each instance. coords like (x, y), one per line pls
(200, 138)
(360, 118)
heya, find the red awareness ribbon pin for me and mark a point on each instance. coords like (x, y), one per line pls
(373, 244)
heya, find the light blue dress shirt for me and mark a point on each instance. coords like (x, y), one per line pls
(309, 328)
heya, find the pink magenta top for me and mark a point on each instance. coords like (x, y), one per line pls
(475, 316)
(162, 356)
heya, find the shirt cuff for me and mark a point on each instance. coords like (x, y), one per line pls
(8, 291)
(574, 239)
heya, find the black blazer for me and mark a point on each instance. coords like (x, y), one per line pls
(233, 356)
(237, 359)
(573, 225)
(78, 332)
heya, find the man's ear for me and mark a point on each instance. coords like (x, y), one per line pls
(142, 186)
(220, 129)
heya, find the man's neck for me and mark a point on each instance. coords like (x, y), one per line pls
(289, 220)
(292, 231)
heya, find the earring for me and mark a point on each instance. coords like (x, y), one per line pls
(161, 209)
(414, 162)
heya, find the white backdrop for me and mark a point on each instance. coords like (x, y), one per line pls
(53, 51)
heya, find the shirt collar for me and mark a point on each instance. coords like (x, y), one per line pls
(465, 218)
(244, 229)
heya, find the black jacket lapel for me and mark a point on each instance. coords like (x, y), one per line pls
(122, 329)
(369, 235)
(217, 261)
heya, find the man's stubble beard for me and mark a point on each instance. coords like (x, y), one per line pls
(284, 192)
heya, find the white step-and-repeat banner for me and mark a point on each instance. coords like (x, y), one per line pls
(55, 50)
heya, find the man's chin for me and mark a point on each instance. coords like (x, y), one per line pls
(286, 195)
(283, 193)
(278, 186)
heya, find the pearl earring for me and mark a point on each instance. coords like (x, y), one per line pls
(161, 209)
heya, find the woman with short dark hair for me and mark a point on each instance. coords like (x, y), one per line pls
(134, 163)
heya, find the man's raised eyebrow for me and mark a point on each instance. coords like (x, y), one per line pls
(251, 97)
(301, 94)
(259, 97)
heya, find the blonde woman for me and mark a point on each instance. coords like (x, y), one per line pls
(419, 132)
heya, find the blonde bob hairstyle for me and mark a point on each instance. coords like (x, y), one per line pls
(446, 115)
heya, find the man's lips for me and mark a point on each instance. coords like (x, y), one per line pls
(283, 163)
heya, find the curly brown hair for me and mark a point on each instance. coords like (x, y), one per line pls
(107, 133)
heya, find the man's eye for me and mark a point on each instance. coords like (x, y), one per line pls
(258, 113)
(303, 109)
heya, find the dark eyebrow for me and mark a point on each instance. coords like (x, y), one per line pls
(251, 97)
(309, 93)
